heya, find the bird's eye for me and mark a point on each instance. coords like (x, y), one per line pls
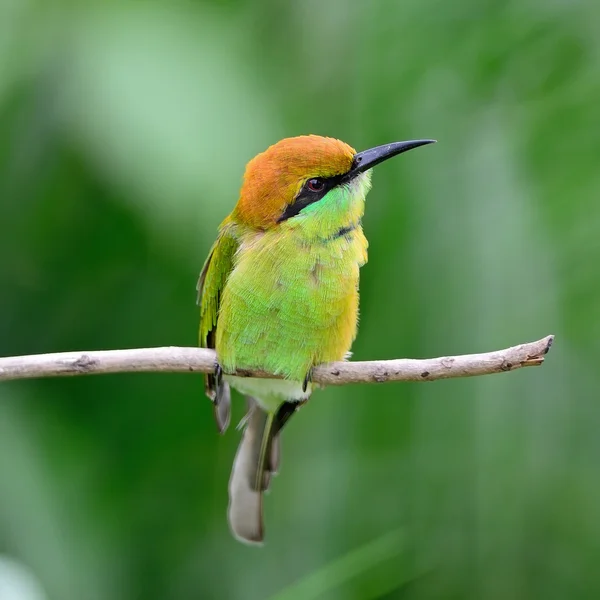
(315, 185)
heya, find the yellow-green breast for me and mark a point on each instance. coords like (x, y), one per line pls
(291, 300)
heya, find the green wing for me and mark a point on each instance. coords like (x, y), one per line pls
(210, 286)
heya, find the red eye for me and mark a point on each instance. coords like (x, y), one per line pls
(315, 185)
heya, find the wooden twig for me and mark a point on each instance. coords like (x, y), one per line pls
(201, 360)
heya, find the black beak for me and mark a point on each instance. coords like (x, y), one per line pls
(363, 161)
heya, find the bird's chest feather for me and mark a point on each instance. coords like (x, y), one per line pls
(292, 302)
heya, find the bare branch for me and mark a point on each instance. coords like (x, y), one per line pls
(201, 360)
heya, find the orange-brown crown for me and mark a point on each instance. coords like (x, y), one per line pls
(273, 178)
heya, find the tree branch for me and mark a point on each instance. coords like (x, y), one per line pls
(201, 360)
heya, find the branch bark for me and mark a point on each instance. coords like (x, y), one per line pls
(201, 360)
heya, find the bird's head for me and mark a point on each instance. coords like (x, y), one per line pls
(298, 172)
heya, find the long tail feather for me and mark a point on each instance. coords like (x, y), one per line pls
(249, 476)
(257, 460)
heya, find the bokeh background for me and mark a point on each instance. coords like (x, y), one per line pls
(124, 131)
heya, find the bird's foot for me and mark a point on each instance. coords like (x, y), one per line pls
(307, 380)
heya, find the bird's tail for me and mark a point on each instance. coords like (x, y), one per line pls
(256, 461)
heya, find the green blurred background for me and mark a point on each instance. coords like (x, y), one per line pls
(124, 131)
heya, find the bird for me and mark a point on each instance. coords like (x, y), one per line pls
(278, 294)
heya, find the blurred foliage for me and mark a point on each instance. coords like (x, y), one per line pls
(124, 130)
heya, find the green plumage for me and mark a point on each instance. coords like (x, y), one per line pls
(287, 298)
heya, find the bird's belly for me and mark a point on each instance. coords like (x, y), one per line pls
(287, 308)
(270, 392)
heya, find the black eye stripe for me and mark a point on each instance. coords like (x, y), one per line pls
(308, 196)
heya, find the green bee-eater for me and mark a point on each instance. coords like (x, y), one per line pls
(279, 293)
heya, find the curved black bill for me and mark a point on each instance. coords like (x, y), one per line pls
(367, 159)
